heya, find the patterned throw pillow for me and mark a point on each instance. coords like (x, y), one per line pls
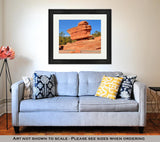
(125, 90)
(109, 87)
(28, 89)
(43, 86)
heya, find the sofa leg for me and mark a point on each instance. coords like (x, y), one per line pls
(16, 129)
(141, 129)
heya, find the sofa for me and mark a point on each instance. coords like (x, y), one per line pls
(75, 104)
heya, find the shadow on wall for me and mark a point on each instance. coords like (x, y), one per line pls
(20, 67)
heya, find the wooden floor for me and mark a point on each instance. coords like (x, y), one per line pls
(152, 128)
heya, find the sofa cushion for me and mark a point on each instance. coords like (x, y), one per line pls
(66, 82)
(89, 81)
(98, 104)
(50, 104)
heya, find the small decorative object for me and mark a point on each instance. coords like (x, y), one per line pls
(80, 36)
(6, 52)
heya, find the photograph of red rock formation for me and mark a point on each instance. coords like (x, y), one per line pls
(80, 36)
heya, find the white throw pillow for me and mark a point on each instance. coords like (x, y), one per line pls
(28, 90)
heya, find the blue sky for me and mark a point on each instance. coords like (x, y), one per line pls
(64, 25)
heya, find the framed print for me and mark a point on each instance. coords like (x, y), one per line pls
(79, 36)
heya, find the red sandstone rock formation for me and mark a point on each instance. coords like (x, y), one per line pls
(98, 38)
(83, 46)
(82, 31)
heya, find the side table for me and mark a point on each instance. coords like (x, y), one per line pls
(155, 103)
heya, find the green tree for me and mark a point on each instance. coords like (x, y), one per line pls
(62, 34)
(60, 40)
(96, 34)
(63, 40)
(68, 39)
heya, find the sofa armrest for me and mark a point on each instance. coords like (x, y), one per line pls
(17, 96)
(139, 91)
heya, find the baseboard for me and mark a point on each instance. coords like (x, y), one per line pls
(3, 106)
(2, 101)
(2, 110)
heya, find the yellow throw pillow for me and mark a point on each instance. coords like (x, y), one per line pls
(109, 87)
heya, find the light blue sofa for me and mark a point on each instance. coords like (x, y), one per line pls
(76, 105)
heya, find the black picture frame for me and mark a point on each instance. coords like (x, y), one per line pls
(51, 59)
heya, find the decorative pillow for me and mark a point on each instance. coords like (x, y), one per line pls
(43, 86)
(109, 87)
(125, 90)
(28, 89)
